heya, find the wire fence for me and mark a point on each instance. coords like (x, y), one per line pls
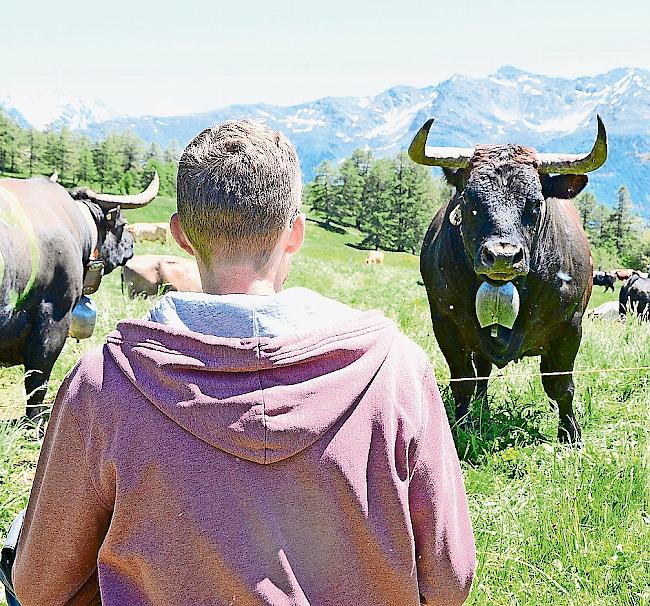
(530, 375)
(495, 377)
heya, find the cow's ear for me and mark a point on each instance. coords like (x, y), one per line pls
(564, 187)
(456, 177)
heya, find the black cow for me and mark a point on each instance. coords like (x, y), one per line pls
(47, 239)
(509, 220)
(635, 296)
(605, 279)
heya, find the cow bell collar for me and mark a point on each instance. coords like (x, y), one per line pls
(497, 305)
(93, 274)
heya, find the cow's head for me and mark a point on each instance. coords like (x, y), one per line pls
(114, 242)
(501, 198)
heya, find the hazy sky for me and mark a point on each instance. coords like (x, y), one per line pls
(143, 57)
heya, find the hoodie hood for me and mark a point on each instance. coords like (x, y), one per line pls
(263, 399)
(290, 311)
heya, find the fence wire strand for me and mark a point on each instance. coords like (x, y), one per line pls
(530, 375)
(524, 375)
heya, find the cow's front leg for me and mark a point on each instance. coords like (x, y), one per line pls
(41, 352)
(559, 387)
(483, 368)
(459, 360)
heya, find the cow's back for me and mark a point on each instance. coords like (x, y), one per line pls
(41, 267)
(180, 274)
(152, 274)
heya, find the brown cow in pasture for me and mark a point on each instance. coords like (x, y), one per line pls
(149, 232)
(375, 257)
(623, 274)
(150, 275)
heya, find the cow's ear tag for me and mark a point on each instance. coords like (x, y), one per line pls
(109, 216)
(456, 216)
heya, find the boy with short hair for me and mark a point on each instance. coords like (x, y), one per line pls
(247, 445)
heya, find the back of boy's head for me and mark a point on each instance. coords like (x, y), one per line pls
(239, 185)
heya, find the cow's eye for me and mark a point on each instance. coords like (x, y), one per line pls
(536, 208)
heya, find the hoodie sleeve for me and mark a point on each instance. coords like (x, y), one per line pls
(444, 543)
(66, 521)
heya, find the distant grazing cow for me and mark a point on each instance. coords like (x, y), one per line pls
(150, 275)
(602, 278)
(508, 223)
(623, 274)
(375, 257)
(149, 232)
(50, 241)
(635, 296)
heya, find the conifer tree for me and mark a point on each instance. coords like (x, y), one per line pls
(622, 218)
(353, 172)
(86, 173)
(322, 195)
(378, 222)
(33, 151)
(413, 203)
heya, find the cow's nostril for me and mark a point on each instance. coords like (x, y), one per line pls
(518, 257)
(488, 258)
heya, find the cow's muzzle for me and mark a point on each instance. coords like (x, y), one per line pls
(501, 260)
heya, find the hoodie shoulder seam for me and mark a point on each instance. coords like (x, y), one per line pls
(259, 380)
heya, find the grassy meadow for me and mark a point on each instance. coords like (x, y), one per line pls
(552, 525)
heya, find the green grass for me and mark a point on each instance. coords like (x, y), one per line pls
(552, 525)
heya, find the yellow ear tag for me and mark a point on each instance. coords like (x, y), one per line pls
(109, 216)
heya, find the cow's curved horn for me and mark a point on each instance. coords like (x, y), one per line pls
(576, 164)
(447, 157)
(129, 201)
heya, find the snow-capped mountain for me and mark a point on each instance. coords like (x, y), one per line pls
(512, 105)
(54, 109)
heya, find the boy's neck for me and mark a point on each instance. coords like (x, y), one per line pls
(236, 279)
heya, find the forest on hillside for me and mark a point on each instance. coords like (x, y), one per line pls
(391, 201)
(119, 163)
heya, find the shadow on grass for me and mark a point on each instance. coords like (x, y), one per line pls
(493, 428)
(327, 226)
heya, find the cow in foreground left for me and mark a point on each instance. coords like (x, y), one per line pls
(49, 239)
(507, 266)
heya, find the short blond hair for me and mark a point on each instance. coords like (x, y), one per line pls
(239, 185)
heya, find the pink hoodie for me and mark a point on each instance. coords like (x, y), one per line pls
(180, 468)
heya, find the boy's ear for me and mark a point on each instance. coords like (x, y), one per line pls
(179, 234)
(297, 235)
(564, 187)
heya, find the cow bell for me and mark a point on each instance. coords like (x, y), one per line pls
(497, 305)
(84, 316)
(93, 277)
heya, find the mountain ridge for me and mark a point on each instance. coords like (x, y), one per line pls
(510, 105)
